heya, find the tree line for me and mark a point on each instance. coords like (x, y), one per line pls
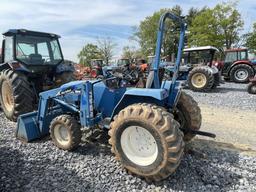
(103, 49)
(220, 26)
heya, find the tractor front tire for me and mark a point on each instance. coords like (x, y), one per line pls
(65, 132)
(200, 79)
(188, 114)
(241, 73)
(251, 88)
(147, 141)
(16, 95)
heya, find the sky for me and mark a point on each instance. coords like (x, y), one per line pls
(83, 21)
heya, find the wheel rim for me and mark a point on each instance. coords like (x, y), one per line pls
(199, 80)
(61, 134)
(241, 74)
(7, 96)
(139, 145)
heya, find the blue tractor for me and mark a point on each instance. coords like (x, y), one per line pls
(31, 62)
(198, 71)
(147, 126)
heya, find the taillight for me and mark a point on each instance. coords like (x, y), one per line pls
(94, 73)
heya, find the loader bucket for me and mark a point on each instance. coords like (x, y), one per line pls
(27, 128)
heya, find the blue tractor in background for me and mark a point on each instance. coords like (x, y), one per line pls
(147, 126)
(31, 62)
(198, 70)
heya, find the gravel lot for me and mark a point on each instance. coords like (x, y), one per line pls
(229, 95)
(208, 165)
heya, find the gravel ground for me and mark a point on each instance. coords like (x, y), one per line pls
(207, 165)
(229, 95)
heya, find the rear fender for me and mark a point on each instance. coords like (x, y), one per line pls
(132, 96)
(246, 62)
(241, 62)
(215, 70)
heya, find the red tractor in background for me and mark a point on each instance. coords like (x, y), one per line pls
(239, 65)
(93, 71)
(96, 68)
(81, 72)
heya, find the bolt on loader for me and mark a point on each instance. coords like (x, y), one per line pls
(148, 127)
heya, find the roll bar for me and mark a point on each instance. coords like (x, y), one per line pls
(160, 34)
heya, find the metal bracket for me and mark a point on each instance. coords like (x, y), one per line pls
(203, 133)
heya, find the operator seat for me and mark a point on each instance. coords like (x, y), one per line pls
(35, 58)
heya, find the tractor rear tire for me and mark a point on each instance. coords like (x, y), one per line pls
(65, 132)
(200, 79)
(147, 140)
(188, 114)
(251, 88)
(241, 73)
(16, 95)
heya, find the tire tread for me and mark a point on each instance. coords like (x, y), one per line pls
(74, 129)
(169, 129)
(209, 78)
(23, 94)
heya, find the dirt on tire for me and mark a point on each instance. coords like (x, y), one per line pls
(22, 95)
(188, 115)
(166, 131)
(74, 130)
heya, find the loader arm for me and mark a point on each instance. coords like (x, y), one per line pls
(75, 97)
